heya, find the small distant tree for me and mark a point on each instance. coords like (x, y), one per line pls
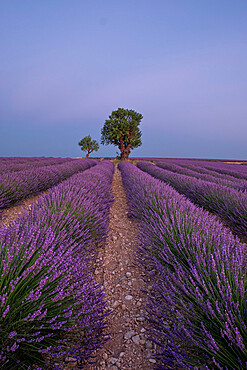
(121, 130)
(88, 145)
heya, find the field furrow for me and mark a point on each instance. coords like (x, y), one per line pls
(129, 346)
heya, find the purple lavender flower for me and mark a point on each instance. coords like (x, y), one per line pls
(228, 203)
(18, 185)
(47, 262)
(197, 306)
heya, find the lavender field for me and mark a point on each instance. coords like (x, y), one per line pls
(51, 305)
(192, 219)
(198, 303)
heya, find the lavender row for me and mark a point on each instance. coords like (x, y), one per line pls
(200, 168)
(16, 186)
(51, 307)
(204, 174)
(20, 164)
(229, 204)
(197, 307)
(236, 170)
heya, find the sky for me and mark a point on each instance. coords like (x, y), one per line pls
(65, 65)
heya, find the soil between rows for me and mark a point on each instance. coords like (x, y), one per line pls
(8, 215)
(122, 278)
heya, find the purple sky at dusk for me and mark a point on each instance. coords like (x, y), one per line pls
(66, 65)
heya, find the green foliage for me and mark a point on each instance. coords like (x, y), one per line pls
(121, 130)
(88, 145)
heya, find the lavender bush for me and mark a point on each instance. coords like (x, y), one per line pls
(229, 204)
(78, 206)
(16, 186)
(238, 171)
(51, 307)
(197, 307)
(200, 168)
(204, 174)
(14, 164)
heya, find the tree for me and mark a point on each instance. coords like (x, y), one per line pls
(121, 130)
(88, 145)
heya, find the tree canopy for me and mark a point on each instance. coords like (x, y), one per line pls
(88, 145)
(121, 130)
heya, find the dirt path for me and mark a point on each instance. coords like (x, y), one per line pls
(129, 347)
(10, 214)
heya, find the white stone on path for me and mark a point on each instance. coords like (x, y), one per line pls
(136, 339)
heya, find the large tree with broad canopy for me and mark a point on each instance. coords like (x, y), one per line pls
(121, 130)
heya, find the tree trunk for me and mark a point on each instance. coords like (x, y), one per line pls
(124, 150)
(125, 154)
(87, 155)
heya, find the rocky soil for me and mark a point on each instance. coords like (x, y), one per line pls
(129, 346)
(8, 215)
